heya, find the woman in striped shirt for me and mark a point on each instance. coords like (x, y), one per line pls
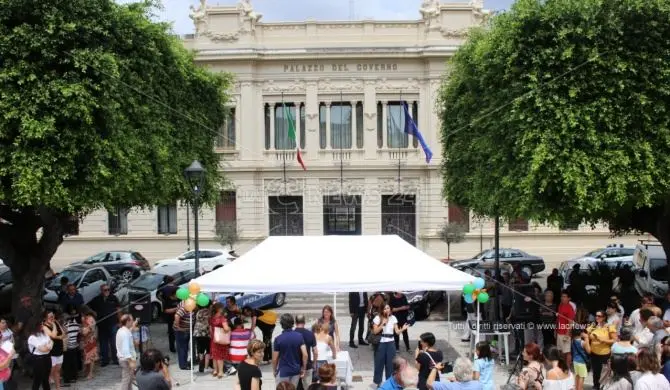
(239, 340)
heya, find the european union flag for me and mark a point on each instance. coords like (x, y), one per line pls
(411, 129)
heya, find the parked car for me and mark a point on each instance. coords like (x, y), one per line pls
(86, 277)
(125, 264)
(255, 300)
(210, 259)
(423, 302)
(586, 269)
(149, 283)
(651, 269)
(613, 252)
(529, 264)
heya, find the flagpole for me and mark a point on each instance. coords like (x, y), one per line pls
(341, 162)
(399, 158)
(283, 105)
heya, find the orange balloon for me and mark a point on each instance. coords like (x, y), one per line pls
(190, 305)
(475, 294)
(194, 288)
(477, 291)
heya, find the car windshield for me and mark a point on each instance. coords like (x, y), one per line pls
(480, 254)
(594, 253)
(96, 258)
(73, 276)
(148, 281)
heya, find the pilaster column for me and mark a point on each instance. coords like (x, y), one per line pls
(410, 109)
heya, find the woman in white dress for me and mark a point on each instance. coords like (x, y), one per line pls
(558, 375)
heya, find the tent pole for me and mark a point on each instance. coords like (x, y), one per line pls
(448, 316)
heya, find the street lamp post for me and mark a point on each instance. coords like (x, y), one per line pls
(195, 174)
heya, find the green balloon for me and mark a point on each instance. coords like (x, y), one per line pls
(202, 300)
(468, 289)
(182, 293)
(483, 297)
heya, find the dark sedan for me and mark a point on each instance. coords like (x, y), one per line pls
(529, 264)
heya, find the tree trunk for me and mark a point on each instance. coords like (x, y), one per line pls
(29, 237)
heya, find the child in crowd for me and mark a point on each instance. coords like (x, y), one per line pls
(580, 351)
(483, 367)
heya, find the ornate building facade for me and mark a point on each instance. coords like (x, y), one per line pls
(341, 84)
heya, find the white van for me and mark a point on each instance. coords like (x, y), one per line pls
(651, 265)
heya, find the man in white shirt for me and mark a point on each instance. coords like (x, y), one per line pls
(643, 336)
(635, 315)
(125, 350)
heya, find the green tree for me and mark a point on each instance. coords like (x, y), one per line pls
(101, 107)
(452, 233)
(227, 233)
(558, 111)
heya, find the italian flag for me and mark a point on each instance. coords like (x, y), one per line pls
(291, 135)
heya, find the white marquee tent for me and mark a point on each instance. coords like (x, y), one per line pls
(331, 264)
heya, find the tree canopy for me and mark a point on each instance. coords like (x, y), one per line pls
(558, 111)
(101, 107)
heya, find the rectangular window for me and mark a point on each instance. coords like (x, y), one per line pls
(399, 216)
(380, 125)
(415, 117)
(167, 219)
(342, 215)
(286, 215)
(322, 125)
(117, 221)
(518, 225)
(395, 134)
(226, 208)
(303, 132)
(282, 139)
(71, 226)
(459, 215)
(268, 118)
(340, 125)
(359, 125)
(226, 136)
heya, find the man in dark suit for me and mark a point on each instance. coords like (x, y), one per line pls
(358, 308)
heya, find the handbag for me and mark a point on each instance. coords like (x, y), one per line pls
(374, 339)
(221, 337)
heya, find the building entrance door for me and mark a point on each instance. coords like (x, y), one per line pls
(342, 215)
(399, 216)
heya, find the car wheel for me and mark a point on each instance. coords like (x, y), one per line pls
(126, 275)
(280, 299)
(528, 271)
(155, 312)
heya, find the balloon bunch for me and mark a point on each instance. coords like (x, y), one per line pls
(192, 297)
(475, 291)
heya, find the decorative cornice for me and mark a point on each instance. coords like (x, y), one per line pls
(457, 33)
(222, 37)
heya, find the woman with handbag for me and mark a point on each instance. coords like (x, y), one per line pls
(427, 356)
(220, 339)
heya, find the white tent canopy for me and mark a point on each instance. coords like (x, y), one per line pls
(334, 264)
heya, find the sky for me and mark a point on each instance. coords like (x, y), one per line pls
(177, 11)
